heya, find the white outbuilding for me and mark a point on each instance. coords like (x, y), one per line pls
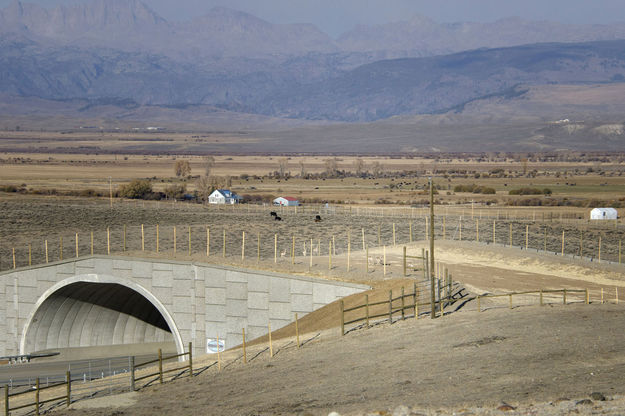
(223, 196)
(603, 214)
(286, 201)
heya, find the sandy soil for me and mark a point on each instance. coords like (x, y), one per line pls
(542, 360)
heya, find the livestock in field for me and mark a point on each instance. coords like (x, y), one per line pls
(277, 218)
(273, 214)
(318, 218)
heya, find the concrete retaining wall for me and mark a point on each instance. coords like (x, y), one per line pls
(198, 301)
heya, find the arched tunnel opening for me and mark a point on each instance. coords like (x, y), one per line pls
(88, 314)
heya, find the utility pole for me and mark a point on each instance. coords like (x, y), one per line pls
(432, 295)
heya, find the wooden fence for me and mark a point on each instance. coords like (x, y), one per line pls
(406, 305)
(541, 293)
(38, 401)
(158, 375)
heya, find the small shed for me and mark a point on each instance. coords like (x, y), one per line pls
(286, 201)
(603, 214)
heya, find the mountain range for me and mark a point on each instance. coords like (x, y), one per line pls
(121, 53)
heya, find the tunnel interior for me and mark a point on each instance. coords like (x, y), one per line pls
(87, 314)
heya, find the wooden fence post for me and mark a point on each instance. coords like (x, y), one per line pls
(330, 255)
(292, 249)
(124, 238)
(541, 297)
(564, 296)
(367, 309)
(297, 330)
(142, 238)
(37, 396)
(404, 261)
(30, 254)
(92, 243)
(494, 236)
(46, 247)
(602, 296)
(527, 236)
(189, 230)
(587, 297)
(160, 366)
(342, 310)
(349, 251)
(14, 262)
(208, 241)
(132, 373)
(599, 254)
(390, 306)
(384, 261)
(68, 377)
(244, 351)
(403, 315)
(243, 247)
(6, 400)
(363, 239)
(616, 295)
(108, 241)
(270, 343)
(218, 355)
(61, 248)
(223, 251)
(258, 247)
(275, 248)
(191, 358)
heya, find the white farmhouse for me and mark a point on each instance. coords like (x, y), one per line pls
(223, 196)
(603, 214)
(286, 201)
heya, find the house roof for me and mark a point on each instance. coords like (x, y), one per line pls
(604, 209)
(227, 193)
(288, 198)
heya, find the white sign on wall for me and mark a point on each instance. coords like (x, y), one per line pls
(212, 345)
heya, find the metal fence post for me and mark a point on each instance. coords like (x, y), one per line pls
(160, 366)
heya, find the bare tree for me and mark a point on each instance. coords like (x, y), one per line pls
(359, 166)
(331, 166)
(204, 188)
(376, 168)
(283, 164)
(302, 168)
(209, 162)
(182, 168)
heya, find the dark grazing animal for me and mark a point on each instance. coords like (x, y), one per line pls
(318, 218)
(273, 214)
(277, 218)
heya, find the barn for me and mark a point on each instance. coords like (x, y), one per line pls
(603, 214)
(286, 201)
(223, 196)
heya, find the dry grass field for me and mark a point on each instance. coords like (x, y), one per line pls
(540, 360)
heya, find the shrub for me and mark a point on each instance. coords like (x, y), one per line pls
(137, 189)
(530, 191)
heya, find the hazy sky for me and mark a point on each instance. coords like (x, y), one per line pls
(337, 16)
